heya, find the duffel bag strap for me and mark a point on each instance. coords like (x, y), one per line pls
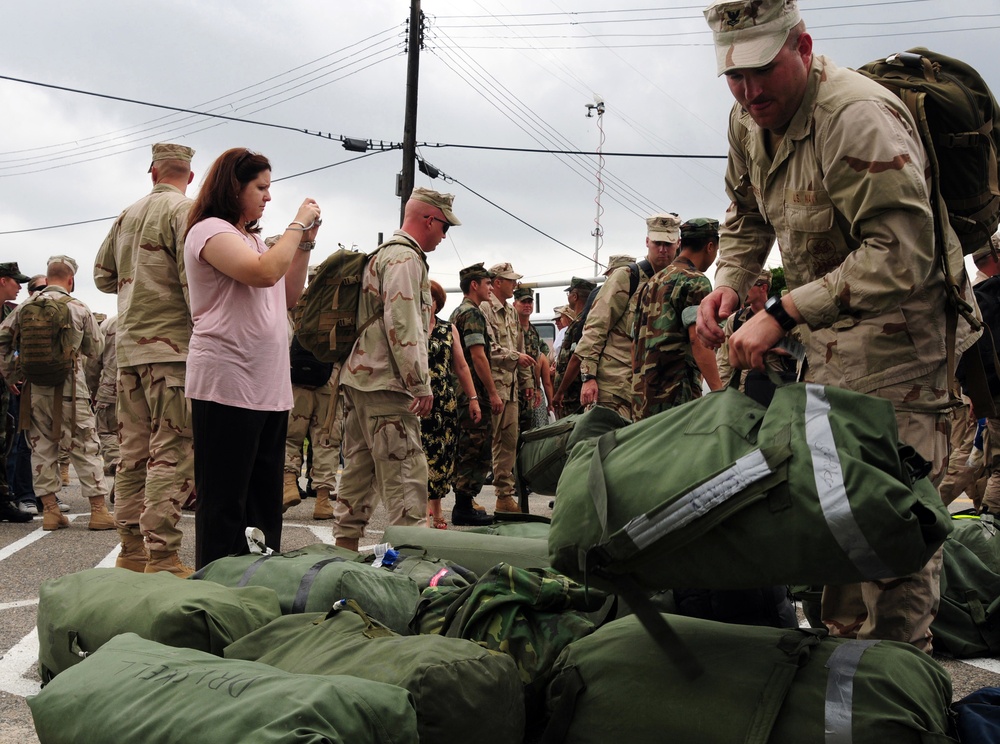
(372, 629)
(305, 586)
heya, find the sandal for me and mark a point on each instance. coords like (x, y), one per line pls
(440, 523)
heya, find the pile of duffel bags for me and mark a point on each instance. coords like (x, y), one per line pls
(529, 632)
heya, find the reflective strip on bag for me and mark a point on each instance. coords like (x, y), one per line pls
(645, 530)
(829, 478)
(838, 712)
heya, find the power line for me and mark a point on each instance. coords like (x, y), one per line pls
(656, 10)
(576, 152)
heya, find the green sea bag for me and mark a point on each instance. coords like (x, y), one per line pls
(134, 690)
(476, 552)
(457, 685)
(80, 612)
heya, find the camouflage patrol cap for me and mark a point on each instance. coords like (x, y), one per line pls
(766, 276)
(11, 270)
(437, 199)
(504, 271)
(616, 262)
(167, 151)
(475, 272)
(565, 310)
(63, 260)
(584, 285)
(749, 33)
(699, 229)
(524, 293)
(663, 228)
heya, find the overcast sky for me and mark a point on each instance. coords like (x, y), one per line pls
(498, 73)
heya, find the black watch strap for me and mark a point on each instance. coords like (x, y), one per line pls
(777, 311)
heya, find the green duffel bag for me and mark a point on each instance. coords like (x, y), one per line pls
(425, 571)
(536, 529)
(80, 612)
(542, 452)
(457, 686)
(967, 623)
(134, 690)
(476, 552)
(721, 493)
(311, 581)
(759, 686)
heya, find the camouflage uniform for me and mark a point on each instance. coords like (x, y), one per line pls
(605, 349)
(508, 378)
(308, 416)
(80, 439)
(142, 261)
(846, 198)
(571, 398)
(534, 347)
(475, 441)
(384, 372)
(102, 380)
(666, 373)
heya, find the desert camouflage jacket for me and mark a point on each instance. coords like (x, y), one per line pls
(506, 348)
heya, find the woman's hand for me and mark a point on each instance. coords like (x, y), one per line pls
(309, 215)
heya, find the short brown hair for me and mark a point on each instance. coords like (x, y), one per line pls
(438, 295)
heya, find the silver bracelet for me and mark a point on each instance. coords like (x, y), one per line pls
(300, 228)
(307, 245)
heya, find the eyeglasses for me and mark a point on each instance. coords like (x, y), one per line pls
(444, 224)
(761, 283)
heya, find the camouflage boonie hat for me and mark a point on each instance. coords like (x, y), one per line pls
(437, 199)
(749, 33)
(584, 285)
(167, 151)
(475, 272)
(11, 270)
(616, 262)
(504, 271)
(663, 228)
(699, 228)
(524, 293)
(565, 310)
(63, 260)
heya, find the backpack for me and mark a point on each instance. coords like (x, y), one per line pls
(954, 111)
(988, 298)
(307, 370)
(326, 316)
(45, 348)
(633, 285)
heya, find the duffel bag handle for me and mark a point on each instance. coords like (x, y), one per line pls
(373, 629)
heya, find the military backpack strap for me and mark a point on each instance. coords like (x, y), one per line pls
(305, 586)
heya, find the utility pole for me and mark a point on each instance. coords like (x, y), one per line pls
(597, 107)
(415, 40)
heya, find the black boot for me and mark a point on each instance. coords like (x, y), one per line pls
(10, 513)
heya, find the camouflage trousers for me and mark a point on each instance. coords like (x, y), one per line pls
(898, 609)
(383, 457)
(620, 404)
(991, 499)
(961, 477)
(310, 410)
(156, 472)
(504, 448)
(79, 440)
(106, 416)
(473, 453)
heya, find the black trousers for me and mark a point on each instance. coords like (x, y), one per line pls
(239, 459)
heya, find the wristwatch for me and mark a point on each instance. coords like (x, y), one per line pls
(777, 311)
(585, 377)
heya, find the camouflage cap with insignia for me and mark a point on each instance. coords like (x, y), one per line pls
(524, 293)
(584, 285)
(616, 262)
(663, 228)
(749, 33)
(437, 199)
(475, 272)
(63, 260)
(699, 228)
(565, 310)
(11, 270)
(504, 271)
(168, 151)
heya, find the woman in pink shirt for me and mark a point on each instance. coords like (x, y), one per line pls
(237, 368)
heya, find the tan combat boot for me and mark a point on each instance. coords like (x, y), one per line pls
(508, 504)
(52, 518)
(290, 495)
(351, 543)
(100, 517)
(133, 553)
(323, 508)
(169, 561)
(64, 473)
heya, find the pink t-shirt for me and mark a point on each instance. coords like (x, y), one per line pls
(239, 345)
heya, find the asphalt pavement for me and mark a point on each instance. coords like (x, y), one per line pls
(29, 556)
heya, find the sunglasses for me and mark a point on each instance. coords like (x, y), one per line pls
(445, 224)
(761, 283)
